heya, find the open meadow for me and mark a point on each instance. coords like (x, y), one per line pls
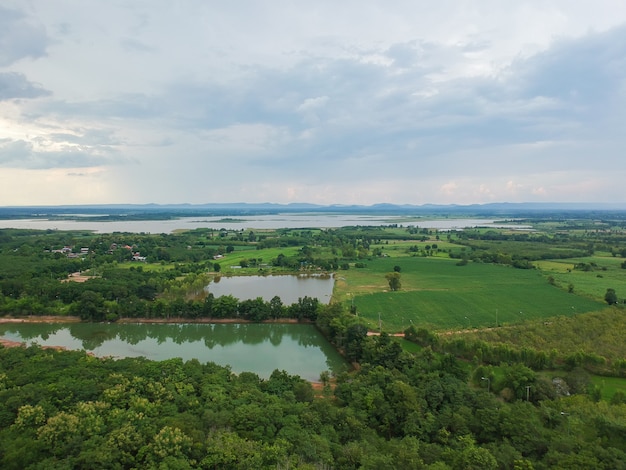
(588, 276)
(439, 294)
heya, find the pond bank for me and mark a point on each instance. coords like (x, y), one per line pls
(66, 319)
(40, 319)
(207, 320)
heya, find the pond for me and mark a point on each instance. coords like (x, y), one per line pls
(298, 349)
(289, 288)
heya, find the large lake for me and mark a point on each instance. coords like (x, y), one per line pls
(275, 221)
(298, 349)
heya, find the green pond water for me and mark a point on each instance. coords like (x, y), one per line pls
(298, 349)
(288, 287)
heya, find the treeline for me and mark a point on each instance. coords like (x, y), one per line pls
(517, 254)
(496, 353)
(137, 293)
(92, 306)
(519, 249)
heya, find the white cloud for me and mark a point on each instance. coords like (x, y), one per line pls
(313, 103)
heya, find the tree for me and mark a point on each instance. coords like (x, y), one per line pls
(305, 308)
(277, 309)
(610, 297)
(225, 306)
(355, 338)
(254, 309)
(394, 281)
(517, 377)
(90, 306)
(170, 445)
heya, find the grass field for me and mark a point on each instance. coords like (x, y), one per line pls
(607, 274)
(598, 332)
(609, 385)
(438, 294)
(266, 255)
(148, 267)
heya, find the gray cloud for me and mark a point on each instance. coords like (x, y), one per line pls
(417, 105)
(362, 111)
(22, 154)
(14, 150)
(15, 85)
(134, 45)
(585, 70)
(20, 37)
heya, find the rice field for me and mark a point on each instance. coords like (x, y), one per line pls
(438, 294)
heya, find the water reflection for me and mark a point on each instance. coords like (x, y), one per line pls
(259, 348)
(289, 288)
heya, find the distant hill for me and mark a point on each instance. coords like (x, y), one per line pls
(144, 211)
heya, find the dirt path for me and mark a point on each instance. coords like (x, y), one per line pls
(40, 319)
(10, 344)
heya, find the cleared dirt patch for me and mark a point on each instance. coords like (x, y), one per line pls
(77, 277)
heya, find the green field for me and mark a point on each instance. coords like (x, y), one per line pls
(598, 332)
(438, 294)
(241, 253)
(607, 273)
(609, 385)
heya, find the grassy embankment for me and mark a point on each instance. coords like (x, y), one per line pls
(599, 333)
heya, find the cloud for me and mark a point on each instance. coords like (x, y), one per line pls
(359, 105)
(585, 70)
(354, 101)
(20, 37)
(14, 85)
(47, 154)
(134, 45)
(313, 103)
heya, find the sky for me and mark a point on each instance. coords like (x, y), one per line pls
(325, 102)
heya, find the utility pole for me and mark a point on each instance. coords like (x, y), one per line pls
(488, 383)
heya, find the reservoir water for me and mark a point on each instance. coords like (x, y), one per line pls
(289, 288)
(298, 349)
(275, 221)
